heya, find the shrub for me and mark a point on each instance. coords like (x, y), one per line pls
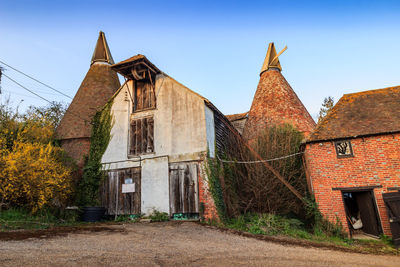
(319, 224)
(33, 176)
(252, 187)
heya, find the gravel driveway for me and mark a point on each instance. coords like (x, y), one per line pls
(170, 244)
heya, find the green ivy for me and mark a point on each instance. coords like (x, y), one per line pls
(214, 172)
(93, 175)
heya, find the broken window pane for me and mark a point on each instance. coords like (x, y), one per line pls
(142, 136)
(343, 149)
(144, 96)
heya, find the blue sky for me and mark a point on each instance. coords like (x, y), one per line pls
(216, 48)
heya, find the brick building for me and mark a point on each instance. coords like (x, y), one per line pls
(275, 102)
(353, 157)
(99, 84)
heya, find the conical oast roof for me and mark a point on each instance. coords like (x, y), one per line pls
(275, 102)
(98, 86)
(102, 51)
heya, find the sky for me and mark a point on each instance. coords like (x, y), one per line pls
(215, 48)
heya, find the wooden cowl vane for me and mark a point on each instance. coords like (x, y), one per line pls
(98, 86)
(275, 102)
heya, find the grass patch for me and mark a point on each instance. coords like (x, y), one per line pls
(19, 218)
(277, 225)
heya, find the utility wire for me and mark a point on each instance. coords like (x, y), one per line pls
(14, 93)
(36, 80)
(32, 92)
(259, 161)
(41, 97)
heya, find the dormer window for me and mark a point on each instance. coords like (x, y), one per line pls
(143, 74)
(343, 149)
(143, 96)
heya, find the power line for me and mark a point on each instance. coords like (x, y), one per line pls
(259, 161)
(30, 77)
(41, 97)
(14, 93)
(14, 81)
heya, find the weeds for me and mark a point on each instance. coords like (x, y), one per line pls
(157, 216)
(270, 224)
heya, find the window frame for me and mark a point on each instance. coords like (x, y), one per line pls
(151, 95)
(149, 137)
(339, 156)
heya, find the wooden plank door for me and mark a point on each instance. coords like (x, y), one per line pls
(117, 202)
(368, 213)
(183, 188)
(392, 203)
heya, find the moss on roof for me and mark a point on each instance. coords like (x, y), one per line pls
(359, 114)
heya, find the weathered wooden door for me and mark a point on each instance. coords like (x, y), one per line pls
(368, 213)
(117, 195)
(392, 203)
(183, 188)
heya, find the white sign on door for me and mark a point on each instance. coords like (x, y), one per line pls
(128, 188)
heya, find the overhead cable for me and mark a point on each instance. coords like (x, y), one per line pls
(259, 161)
(41, 97)
(36, 80)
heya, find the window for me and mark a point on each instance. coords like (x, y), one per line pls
(343, 149)
(143, 96)
(142, 136)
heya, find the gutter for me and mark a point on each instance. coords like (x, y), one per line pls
(350, 137)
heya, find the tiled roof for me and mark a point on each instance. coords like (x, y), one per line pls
(276, 103)
(359, 114)
(99, 85)
(131, 59)
(235, 117)
(102, 51)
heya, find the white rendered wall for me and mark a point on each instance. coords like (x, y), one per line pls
(155, 185)
(180, 134)
(179, 125)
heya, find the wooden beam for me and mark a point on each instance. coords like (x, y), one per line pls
(357, 188)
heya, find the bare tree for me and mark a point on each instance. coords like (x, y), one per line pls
(327, 105)
(249, 186)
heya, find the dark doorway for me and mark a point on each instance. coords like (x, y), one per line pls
(360, 205)
(392, 202)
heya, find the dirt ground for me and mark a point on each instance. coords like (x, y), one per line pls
(167, 244)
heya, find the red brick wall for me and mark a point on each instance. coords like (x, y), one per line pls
(275, 102)
(376, 161)
(205, 197)
(77, 148)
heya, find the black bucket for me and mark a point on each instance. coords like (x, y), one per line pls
(93, 214)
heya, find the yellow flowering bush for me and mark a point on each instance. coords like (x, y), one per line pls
(33, 175)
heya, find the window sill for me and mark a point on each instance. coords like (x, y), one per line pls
(141, 154)
(142, 110)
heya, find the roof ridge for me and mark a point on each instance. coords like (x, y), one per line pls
(378, 90)
(359, 114)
